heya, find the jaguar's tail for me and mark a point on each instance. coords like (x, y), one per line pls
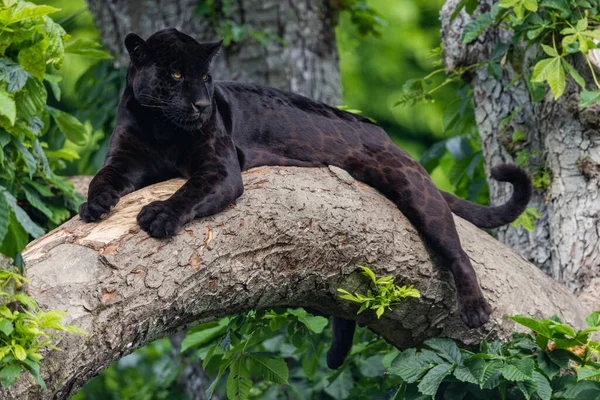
(492, 217)
(343, 333)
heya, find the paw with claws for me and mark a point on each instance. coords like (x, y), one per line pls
(97, 206)
(159, 219)
(474, 310)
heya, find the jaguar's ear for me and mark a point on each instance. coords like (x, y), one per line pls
(137, 48)
(212, 48)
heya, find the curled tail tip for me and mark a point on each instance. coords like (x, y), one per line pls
(509, 173)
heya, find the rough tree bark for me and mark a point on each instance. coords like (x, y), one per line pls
(292, 239)
(566, 240)
(307, 65)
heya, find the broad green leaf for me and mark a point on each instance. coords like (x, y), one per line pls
(4, 216)
(33, 59)
(74, 130)
(408, 366)
(10, 373)
(476, 27)
(463, 374)
(8, 107)
(518, 370)
(340, 387)
(271, 369)
(6, 327)
(431, 381)
(541, 327)
(551, 71)
(34, 199)
(30, 227)
(574, 74)
(239, 382)
(56, 36)
(546, 365)
(589, 97)
(314, 324)
(551, 51)
(31, 100)
(19, 352)
(15, 76)
(28, 157)
(593, 319)
(204, 335)
(15, 239)
(30, 11)
(587, 373)
(446, 348)
(53, 81)
(87, 48)
(544, 390)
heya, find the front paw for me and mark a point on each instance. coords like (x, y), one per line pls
(98, 206)
(474, 310)
(158, 219)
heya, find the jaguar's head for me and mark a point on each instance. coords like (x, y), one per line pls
(169, 73)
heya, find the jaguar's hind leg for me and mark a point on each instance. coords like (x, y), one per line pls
(410, 188)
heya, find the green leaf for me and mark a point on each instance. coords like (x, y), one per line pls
(593, 319)
(446, 348)
(8, 107)
(589, 97)
(541, 327)
(203, 333)
(31, 100)
(314, 324)
(271, 369)
(574, 74)
(87, 48)
(551, 71)
(33, 59)
(546, 365)
(339, 388)
(544, 390)
(431, 381)
(518, 370)
(476, 27)
(239, 382)
(74, 130)
(10, 373)
(6, 327)
(30, 11)
(19, 352)
(28, 157)
(30, 227)
(33, 366)
(4, 217)
(34, 199)
(587, 373)
(407, 366)
(14, 75)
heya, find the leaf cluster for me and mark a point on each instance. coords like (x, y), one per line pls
(555, 30)
(384, 294)
(25, 331)
(555, 362)
(31, 193)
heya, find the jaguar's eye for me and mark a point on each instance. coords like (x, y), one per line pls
(176, 75)
(204, 77)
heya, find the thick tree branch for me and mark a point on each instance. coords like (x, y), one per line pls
(294, 237)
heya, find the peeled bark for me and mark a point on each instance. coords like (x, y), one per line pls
(292, 239)
(566, 240)
(307, 64)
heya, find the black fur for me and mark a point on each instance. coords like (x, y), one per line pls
(175, 121)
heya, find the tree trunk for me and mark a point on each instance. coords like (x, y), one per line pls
(560, 137)
(295, 236)
(307, 64)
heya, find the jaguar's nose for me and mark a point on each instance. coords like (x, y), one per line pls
(200, 105)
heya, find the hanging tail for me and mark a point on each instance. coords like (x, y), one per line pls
(493, 217)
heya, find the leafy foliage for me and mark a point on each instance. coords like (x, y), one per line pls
(384, 295)
(32, 193)
(556, 29)
(24, 331)
(555, 362)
